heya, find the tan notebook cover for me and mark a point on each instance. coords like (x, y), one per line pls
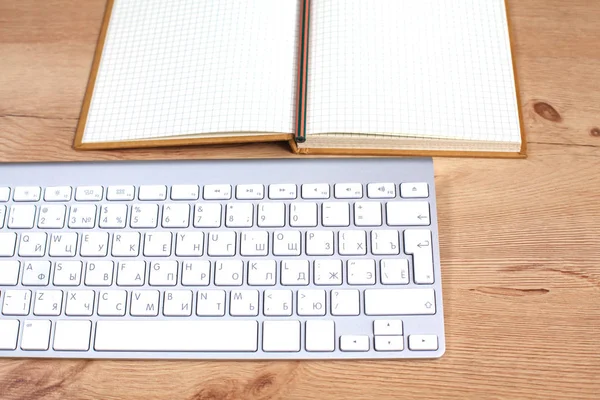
(299, 141)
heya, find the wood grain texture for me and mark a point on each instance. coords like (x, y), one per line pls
(519, 238)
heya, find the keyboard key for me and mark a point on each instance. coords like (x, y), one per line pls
(73, 335)
(399, 302)
(16, 302)
(287, 243)
(63, 244)
(36, 273)
(222, 243)
(250, 192)
(217, 192)
(9, 272)
(319, 243)
(394, 271)
(262, 272)
(389, 343)
(94, 244)
(131, 273)
(282, 191)
(229, 273)
(348, 191)
(354, 343)
(189, 244)
(367, 213)
(311, 302)
(320, 335)
(207, 215)
(163, 273)
(27, 193)
(315, 191)
(177, 335)
(407, 213)
(52, 216)
(152, 193)
(281, 336)
(120, 193)
(414, 190)
(67, 273)
(345, 302)
(294, 272)
(423, 342)
(210, 303)
(80, 302)
(48, 302)
(185, 192)
(418, 243)
(327, 272)
(8, 240)
(303, 214)
(385, 242)
(239, 215)
(125, 244)
(361, 272)
(381, 190)
(176, 216)
(144, 216)
(177, 303)
(58, 193)
(33, 244)
(278, 303)
(195, 273)
(112, 303)
(387, 327)
(271, 215)
(352, 242)
(157, 244)
(9, 333)
(113, 216)
(36, 335)
(336, 214)
(2, 215)
(82, 216)
(144, 303)
(99, 273)
(254, 243)
(89, 193)
(4, 193)
(243, 303)
(21, 216)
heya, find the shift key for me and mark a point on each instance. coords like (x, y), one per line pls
(399, 301)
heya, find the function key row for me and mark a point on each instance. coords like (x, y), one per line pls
(214, 192)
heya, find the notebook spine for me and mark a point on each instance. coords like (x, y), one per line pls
(302, 72)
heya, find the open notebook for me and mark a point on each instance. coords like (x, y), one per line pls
(415, 77)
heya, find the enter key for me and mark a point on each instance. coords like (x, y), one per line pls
(417, 242)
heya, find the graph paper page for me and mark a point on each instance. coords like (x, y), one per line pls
(420, 68)
(187, 67)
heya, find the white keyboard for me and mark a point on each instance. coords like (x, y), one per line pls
(245, 259)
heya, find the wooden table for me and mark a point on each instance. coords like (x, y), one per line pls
(519, 238)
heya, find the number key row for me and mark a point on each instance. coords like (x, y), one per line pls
(210, 215)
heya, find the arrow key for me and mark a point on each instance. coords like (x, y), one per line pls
(423, 342)
(389, 343)
(388, 327)
(354, 343)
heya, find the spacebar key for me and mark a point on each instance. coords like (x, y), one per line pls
(176, 336)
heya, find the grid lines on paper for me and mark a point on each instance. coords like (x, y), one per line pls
(421, 68)
(184, 67)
